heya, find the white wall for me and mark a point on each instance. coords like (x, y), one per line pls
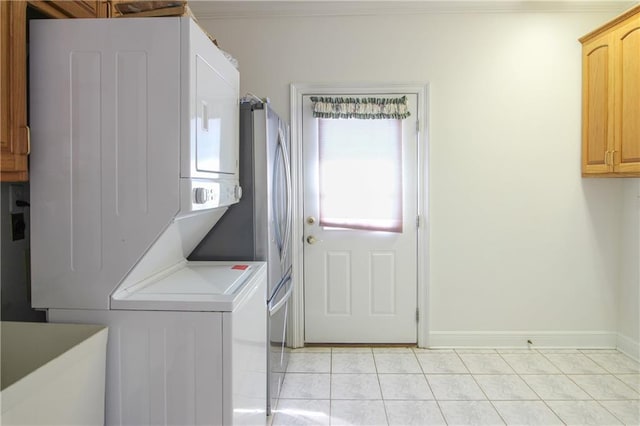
(629, 291)
(519, 241)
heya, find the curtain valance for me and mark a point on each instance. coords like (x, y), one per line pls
(360, 108)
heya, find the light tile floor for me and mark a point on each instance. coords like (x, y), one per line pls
(409, 386)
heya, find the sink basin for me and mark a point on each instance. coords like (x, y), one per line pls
(52, 374)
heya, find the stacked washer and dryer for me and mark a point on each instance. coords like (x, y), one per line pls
(135, 128)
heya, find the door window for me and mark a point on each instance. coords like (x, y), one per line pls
(360, 174)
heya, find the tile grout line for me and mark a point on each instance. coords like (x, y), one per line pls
(384, 406)
(544, 401)
(331, 386)
(599, 402)
(566, 375)
(430, 388)
(519, 375)
(482, 390)
(593, 398)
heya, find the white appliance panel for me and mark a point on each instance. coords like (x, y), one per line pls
(104, 175)
(216, 122)
(247, 356)
(197, 368)
(132, 132)
(172, 246)
(213, 114)
(85, 248)
(189, 286)
(200, 279)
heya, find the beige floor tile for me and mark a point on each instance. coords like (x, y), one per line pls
(404, 386)
(583, 413)
(358, 413)
(413, 413)
(470, 413)
(355, 386)
(397, 363)
(302, 412)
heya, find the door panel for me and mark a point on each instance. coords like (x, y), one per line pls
(383, 283)
(597, 128)
(337, 282)
(360, 280)
(628, 119)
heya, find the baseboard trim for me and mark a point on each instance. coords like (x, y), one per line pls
(628, 346)
(518, 339)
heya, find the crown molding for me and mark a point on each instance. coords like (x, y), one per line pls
(240, 9)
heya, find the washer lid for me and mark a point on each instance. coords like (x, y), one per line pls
(190, 286)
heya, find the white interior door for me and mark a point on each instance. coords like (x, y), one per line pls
(360, 228)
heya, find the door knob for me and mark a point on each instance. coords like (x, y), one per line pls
(311, 239)
(311, 220)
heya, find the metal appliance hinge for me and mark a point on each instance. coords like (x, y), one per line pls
(417, 126)
(417, 314)
(418, 221)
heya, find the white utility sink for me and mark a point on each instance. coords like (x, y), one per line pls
(52, 374)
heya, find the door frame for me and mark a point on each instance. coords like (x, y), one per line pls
(297, 91)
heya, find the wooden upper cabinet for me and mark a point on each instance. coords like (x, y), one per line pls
(14, 133)
(71, 9)
(14, 130)
(611, 98)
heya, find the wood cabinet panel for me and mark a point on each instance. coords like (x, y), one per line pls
(611, 98)
(70, 9)
(628, 121)
(4, 73)
(597, 107)
(14, 146)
